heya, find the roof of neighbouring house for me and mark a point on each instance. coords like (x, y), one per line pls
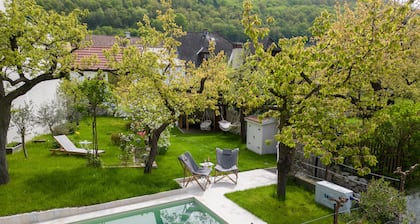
(267, 42)
(99, 43)
(194, 43)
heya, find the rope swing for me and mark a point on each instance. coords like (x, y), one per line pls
(226, 125)
(205, 124)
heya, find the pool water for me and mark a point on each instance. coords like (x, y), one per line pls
(183, 211)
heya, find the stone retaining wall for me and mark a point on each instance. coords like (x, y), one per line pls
(335, 174)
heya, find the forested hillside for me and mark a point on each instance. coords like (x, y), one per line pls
(292, 17)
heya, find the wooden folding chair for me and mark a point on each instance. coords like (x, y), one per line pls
(192, 172)
(227, 164)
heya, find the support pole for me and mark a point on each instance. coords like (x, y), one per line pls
(403, 175)
(338, 204)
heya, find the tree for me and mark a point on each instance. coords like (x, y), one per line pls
(398, 135)
(293, 17)
(22, 118)
(35, 46)
(49, 114)
(96, 91)
(324, 93)
(70, 93)
(381, 203)
(154, 88)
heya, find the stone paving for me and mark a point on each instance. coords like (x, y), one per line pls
(413, 206)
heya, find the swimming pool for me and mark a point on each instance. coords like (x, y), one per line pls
(183, 211)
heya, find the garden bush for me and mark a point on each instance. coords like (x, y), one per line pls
(381, 203)
(396, 141)
(65, 129)
(116, 139)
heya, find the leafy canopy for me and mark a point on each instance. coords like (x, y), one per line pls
(325, 92)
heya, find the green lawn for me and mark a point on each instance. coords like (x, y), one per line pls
(299, 206)
(46, 181)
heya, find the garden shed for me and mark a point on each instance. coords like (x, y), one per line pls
(259, 132)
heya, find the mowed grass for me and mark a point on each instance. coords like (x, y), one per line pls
(46, 181)
(299, 207)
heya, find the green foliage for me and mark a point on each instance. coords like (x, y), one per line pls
(398, 134)
(97, 91)
(93, 161)
(50, 114)
(23, 118)
(65, 129)
(400, 126)
(291, 18)
(381, 203)
(155, 87)
(352, 69)
(164, 140)
(133, 147)
(116, 138)
(74, 103)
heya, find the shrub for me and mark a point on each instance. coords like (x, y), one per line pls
(94, 161)
(116, 138)
(55, 145)
(381, 203)
(162, 150)
(128, 126)
(65, 129)
(164, 141)
(398, 137)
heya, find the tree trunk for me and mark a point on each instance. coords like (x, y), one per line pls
(243, 125)
(95, 133)
(154, 138)
(51, 130)
(153, 152)
(284, 165)
(4, 126)
(22, 136)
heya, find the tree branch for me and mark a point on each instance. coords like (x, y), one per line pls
(314, 90)
(305, 77)
(272, 91)
(28, 85)
(410, 82)
(202, 82)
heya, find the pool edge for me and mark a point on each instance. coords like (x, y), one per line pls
(61, 214)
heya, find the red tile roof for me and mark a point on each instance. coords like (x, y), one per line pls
(100, 43)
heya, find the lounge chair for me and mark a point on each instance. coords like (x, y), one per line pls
(67, 147)
(193, 172)
(226, 165)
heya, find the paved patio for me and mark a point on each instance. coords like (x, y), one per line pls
(213, 198)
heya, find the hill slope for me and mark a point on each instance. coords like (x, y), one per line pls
(292, 17)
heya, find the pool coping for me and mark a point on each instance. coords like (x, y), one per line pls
(70, 214)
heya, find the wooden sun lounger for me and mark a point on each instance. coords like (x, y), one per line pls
(67, 147)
